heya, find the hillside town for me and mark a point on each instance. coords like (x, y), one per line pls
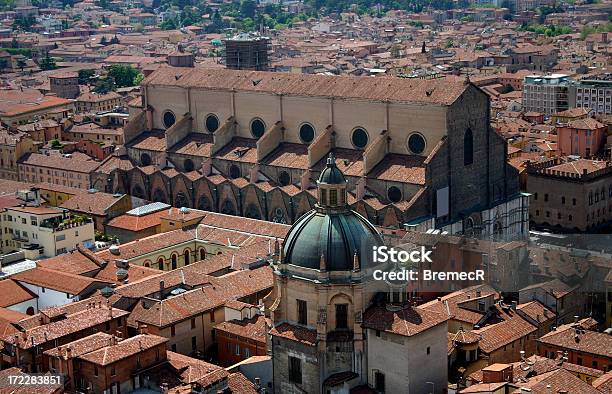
(190, 193)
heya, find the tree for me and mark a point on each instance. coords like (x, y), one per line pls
(247, 8)
(423, 48)
(139, 78)
(104, 86)
(86, 76)
(168, 24)
(123, 76)
(103, 41)
(47, 63)
(3, 64)
(114, 40)
(24, 23)
(21, 63)
(56, 144)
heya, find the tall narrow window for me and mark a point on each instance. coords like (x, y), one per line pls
(379, 381)
(341, 316)
(295, 370)
(333, 197)
(468, 147)
(302, 312)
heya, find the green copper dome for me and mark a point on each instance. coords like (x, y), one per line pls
(331, 231)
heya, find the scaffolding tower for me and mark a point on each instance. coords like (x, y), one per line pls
(248, 52)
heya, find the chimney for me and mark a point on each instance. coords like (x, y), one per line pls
(478, 293)
(144, 329)
(514, 305)
(68, 353)
(161, 289)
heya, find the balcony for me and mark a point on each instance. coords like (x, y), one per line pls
(60, 223)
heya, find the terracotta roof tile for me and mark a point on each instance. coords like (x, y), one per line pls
(14, 293)
(255, 328)
(569, 337)
(56, 280)
(407, 321)
(123, 349)
(383, 88)
(295, 333)
(503, 333)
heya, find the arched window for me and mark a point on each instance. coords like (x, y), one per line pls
(258, 128)
(284, 178)
(30, 311)
(394, 194)
(147, 263)
(137, 192)
(359, 138)
(169, 119)
(468, 147)
(307, 133)
(145, 159)
(204, 204)
(212, 123)
(159, 196)
(252, 212)
(188, 165)
(416, 143)
(279, 216)
(160, 263)
(228, 208)
(181, 200)
(234, 171)
(186, 256)
(202, 254)
(174, 261)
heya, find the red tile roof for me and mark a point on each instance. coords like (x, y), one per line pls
(14, 293)
(574, 338)
(407, 321)
(255, 328)
(555, 381)
(56, 280)
(453, 301)
(74, 323)
(191, 369)
(7, 317)
(296, 333)
(123, 349)
(383, 88)
(136, 223)
(498, 335)
(81, 346)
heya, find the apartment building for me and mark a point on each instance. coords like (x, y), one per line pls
(570, 194)
(43, 232)
(93, 103)
(547, 94)
(72, 170)
(595, 94)
(13, 145)
(582, 137)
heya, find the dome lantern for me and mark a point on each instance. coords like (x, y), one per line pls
(332, 185)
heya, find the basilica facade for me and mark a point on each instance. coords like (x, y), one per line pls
(416, 153)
